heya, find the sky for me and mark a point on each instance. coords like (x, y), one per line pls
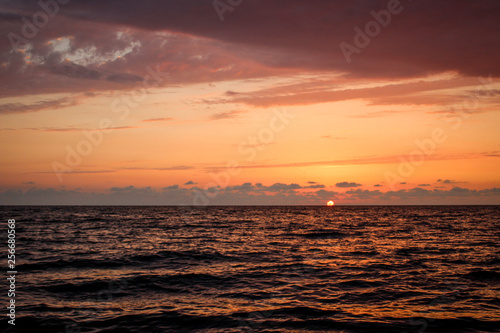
(249, 102)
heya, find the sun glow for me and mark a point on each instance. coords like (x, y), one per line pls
(330, 203)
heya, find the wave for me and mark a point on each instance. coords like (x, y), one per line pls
(273, 269)
(285, 319)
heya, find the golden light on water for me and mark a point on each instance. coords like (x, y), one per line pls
(330, 203)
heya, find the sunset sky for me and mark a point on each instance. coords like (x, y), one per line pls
(285, 102)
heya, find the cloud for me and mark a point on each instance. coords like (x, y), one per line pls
(38, 106)
(489, 92)
(245, 187)
(409, 47)
(424, 184)
(324, 194)
(386, 159)
(157, 119)
(77, 129)
(76, 171)
(76, 71)
(423, 193)
(244, 194)
(121, 189)
(276, 187)
(347, 184)
(123, 78)
(417, 195)
(376, 114)
(450, 182)
(283, 187)
(315, 186)
(363, 194)
(492, 154)
(190, 183)
(90, 44)
(225, 115)
(336, 89)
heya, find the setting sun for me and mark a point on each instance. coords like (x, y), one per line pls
(199, 149)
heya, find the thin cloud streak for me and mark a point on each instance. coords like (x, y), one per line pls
(14, 108)
(367, 160)
(157, 119)
(226, 115)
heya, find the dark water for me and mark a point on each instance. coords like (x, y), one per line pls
(256, 269)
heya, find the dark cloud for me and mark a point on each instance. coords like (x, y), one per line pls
(112, 42)
(415, 42)
(492, 154)
(324, 194)
(123, 78)
(450, 182)
(315, 186)
(169, 168)
(283, 187)
(417, 195)
(363, 194)
(348, 184)
(121, 189)
(39, 106)
(244, 187)
(9, 17)
(276, 187)
(244, 194)
(489, 92)
(76, 71)
(190, 183)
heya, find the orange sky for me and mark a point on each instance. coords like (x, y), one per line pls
(154, 115)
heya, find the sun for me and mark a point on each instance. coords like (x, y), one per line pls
(330, 203)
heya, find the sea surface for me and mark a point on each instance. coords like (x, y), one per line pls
(255, 269)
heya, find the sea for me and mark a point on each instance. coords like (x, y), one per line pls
(254, 269)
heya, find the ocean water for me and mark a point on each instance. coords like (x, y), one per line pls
(255, 269)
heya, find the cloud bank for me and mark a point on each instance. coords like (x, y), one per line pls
(246, 194)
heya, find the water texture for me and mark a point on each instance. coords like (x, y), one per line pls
(256, 269)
